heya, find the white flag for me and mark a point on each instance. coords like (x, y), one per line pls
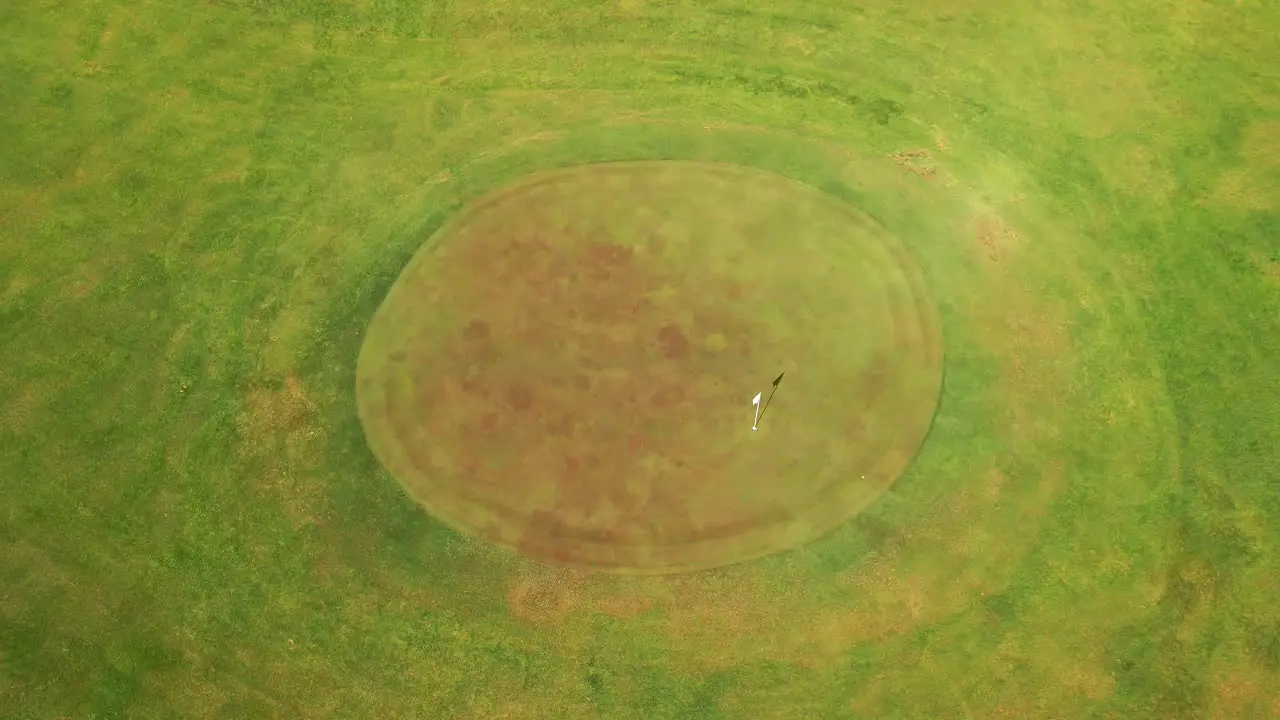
(756, 400)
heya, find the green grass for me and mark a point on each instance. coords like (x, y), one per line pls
(201, 207)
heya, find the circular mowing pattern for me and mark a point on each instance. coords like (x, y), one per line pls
(567, 368)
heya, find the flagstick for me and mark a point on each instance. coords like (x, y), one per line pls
(755, 424)
(776, 382)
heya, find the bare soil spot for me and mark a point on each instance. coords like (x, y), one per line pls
(940, 140)
(673, 343)
(918, 162)
(519, 398)
(440, 178)
(476, 331)
(995, 238)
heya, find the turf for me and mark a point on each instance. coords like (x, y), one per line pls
(567, 367)
(201, 208)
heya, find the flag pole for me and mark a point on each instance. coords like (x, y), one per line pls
(776, 381)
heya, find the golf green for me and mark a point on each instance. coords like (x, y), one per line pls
(568, 367)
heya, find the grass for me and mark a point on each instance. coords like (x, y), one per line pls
(201, 207)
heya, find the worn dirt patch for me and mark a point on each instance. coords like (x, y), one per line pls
(995, 239)
(269, 413)
(546, 595)
(568, 371)
(918, 162)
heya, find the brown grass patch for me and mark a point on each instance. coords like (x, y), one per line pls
(1233, 695)
(546, 595)
(440, 178)
(269, 414)
(1105, 95)
(1241, 189)
(1139, 170)
(542, 136)
(1256, 185)
(623, 607)
(718, 621)
(1089, 679)
(1262, 144)
(15, 289)
(177, 342)
(995, 238)
(713, 622)
(1244, 691)
(890, 602)
(995, 482)
(235, 165)
(284, 332)
(83, 282)
(277, 435)
(1270, 268)
(918, 162)
(20, 414)
(795, 42)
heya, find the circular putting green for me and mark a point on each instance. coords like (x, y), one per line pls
(568, 367)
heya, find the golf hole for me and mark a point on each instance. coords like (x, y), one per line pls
(567, 368)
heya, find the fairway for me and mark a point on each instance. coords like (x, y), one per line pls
(565, 369)
(396, 359)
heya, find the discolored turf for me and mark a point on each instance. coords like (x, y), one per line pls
(567, 368)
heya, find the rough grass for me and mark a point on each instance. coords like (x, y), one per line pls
(201, 206)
